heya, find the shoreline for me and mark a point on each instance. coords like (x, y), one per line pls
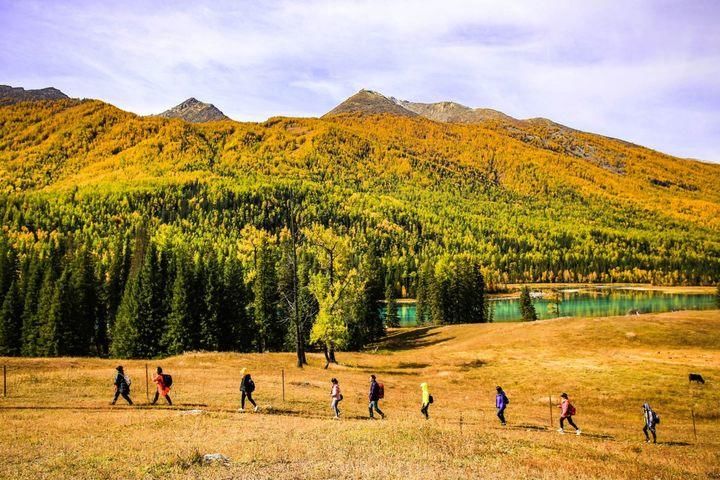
(577, 287)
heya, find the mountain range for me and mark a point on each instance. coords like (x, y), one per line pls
(9, 95)
(532, 199)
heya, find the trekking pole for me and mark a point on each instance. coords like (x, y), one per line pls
(551, 410)
(692, 414)
(147, 384)
(283, 384)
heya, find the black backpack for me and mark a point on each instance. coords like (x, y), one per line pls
(431, 399)
(167, 380)
(250, 385)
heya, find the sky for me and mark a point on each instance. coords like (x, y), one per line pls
(647, 71)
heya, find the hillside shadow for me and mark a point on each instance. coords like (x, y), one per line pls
(412, 339)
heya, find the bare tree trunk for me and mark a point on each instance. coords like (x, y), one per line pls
(299, 334)
(327, 356)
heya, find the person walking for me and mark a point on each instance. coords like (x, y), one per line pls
(336, 397)
(501, 403)
(122, 385)
(426, 400)
(247, 387)
(164, 382)
(567, 410)
(651, 420)
(377, 392)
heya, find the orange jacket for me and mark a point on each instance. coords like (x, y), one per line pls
(161, 388)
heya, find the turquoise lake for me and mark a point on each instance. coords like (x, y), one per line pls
(597, 302)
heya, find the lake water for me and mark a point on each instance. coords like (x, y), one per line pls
(598, 302)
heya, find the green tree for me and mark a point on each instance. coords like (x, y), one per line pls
(527, 309)
(233, 318)
(11, 322)
(181, 332)
(139, 325)
(30, 321)
(391, 308)
(555, 299)
(265, 290)
(210, 332)
(335, 306)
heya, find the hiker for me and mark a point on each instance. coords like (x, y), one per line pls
(567, 410)
(122, 385)
(651, 420)
(247, 387)
(336, 397)
(426, 400)
(377, 392)
(164, 382)
(501, 403)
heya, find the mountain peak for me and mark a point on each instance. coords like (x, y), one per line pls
(9, 95)
(369, 102)
(194, 111)
(454, 112)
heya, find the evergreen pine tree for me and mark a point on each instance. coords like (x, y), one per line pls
(212, 289)
(30, 324)
(117, 276)
(391, 308)
(180, 333)
(11, 322)
(232, 313)
(527, 309)
(421, 294)
(139, 325)
(372, 271)
(265, 290)
(43, 317)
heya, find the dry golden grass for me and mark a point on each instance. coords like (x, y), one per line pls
(56, 421)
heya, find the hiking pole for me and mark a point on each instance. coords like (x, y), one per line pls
(147, 384)
(283, 384)
(692, 414)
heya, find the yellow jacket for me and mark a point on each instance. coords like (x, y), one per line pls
(425, 393)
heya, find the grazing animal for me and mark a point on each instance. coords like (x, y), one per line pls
(696, 377)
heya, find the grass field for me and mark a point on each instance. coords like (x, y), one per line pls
(57, 421)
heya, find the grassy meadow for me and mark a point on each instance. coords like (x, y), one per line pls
(57, 421)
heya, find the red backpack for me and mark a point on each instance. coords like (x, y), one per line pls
(381, 390)
(571, 410)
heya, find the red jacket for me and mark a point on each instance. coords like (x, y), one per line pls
(161, 388)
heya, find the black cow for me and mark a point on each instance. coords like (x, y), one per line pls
(696, 377)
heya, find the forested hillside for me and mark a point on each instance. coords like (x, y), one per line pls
(141, 236)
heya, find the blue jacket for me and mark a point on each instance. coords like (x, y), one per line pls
(374, 394)
(501, 400)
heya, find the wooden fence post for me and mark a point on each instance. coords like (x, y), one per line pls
(461, 423)
(147, 384)
(4, 380)
(692, 414)
(283, 384)
(551, 409)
